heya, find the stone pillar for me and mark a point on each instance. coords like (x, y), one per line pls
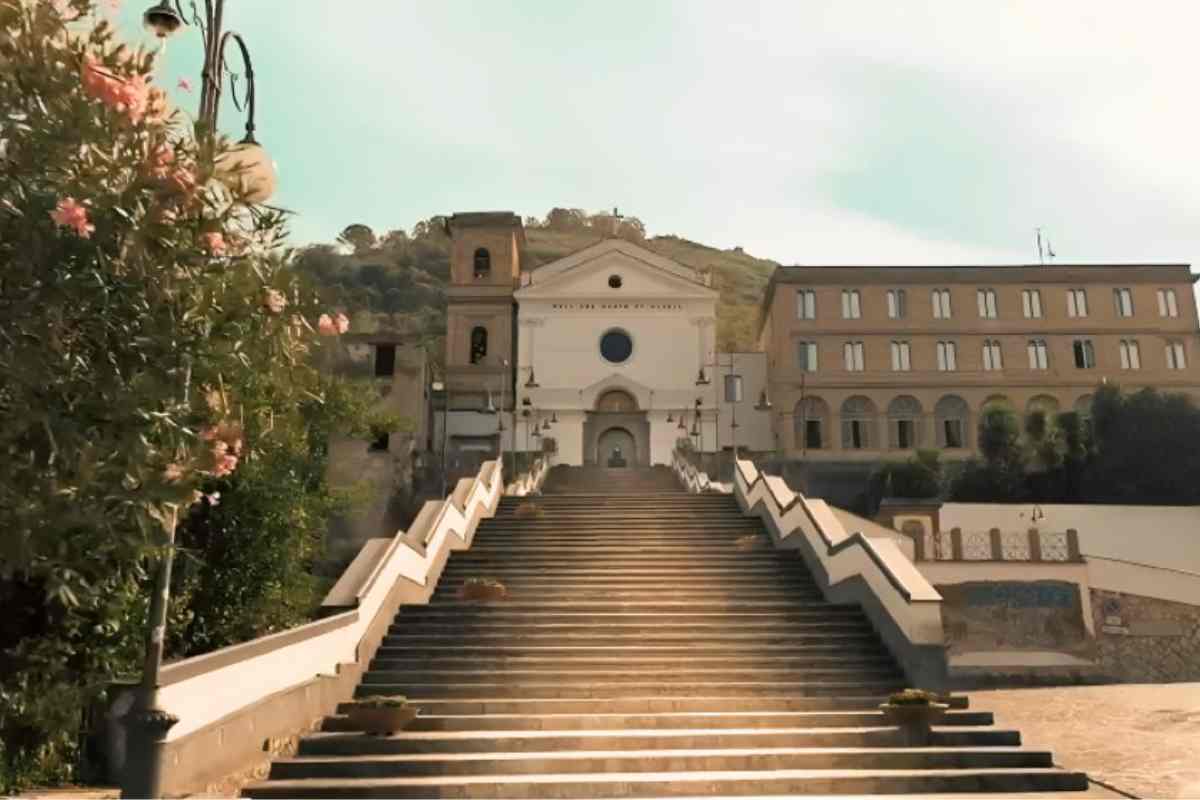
(1035, 545)
(1073, 553)
(956, 544)
(997, 544)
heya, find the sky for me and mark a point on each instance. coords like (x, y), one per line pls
(804, 132)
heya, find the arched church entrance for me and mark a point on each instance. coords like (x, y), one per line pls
(616, 433)
(617, 448)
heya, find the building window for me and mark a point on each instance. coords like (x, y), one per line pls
(1038, 358)
(810, 418)
(993, 356)
(900, 357)
(904, 417)
(941, 304)
(1085, 354)
(897, 304)
(947, 356)
(806, 304)
(1176, 358)
(858, 420)
(379, 443)
(479, 344)
(1031, 302)
(1131, 354)
(616, 347)
(1123, 301)
(483, 264)
(951, 415)
(1077, 303)
(853, 352)
(733, 388)
(851, 304)
(806, 356)
(987, 303)
(1167, 305)
(385, 360)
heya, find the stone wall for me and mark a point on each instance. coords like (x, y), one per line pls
(1012, 615)
(1143, 639)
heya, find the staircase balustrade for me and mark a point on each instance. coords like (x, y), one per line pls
(234, 702)
(902, 605)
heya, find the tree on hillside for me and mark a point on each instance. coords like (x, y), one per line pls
(359, 237)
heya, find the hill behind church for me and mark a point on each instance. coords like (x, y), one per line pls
(397, 281)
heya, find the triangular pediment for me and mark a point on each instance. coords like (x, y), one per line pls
(589, 273)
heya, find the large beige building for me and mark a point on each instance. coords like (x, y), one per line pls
(869, 362)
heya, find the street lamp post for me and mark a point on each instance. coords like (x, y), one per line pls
(249, 167)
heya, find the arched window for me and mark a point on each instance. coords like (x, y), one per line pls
(1044, 403)
(810, 424)
(483, 264)
(904, 422)
(951, 420)
(479, 344)
(1083, 406)
(858, 423)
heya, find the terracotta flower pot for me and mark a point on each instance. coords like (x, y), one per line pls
(483, 591)
(914, 720)
(379, 720)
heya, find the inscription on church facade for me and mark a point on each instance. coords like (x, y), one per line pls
(617, 306)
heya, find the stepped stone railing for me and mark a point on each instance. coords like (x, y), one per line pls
(530, 482)
(236, 704)
(694, 479)
(902, 605)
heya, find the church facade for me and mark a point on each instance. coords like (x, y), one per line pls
(604, 357)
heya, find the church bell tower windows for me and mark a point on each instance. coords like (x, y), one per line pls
(479, 344)
(483, 264)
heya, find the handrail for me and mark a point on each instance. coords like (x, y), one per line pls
(852, 567)
(530, 482)
(694, 479)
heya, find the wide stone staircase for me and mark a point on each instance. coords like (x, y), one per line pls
(652, 645)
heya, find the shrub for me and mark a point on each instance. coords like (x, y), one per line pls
(913, 697)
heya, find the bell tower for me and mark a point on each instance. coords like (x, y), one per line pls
(485, 269)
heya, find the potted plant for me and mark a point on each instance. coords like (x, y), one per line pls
(483, 589)
(378, 715)
(528, 510)
(914, 711)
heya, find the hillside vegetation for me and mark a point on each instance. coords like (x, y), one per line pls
(398, 281)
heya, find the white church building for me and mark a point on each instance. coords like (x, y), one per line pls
(604, 357)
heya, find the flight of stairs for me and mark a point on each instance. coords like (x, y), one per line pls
(653, 645)
(611, 481)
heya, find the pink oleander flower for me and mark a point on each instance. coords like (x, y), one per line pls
(342, 322)
(214, 243)
(96, 78)
(161, 159)
(173, 473)
(225, 465)
(326, 325)
(214, 499)
(182, 179)
(72, 214)
(184, 85)
(274, 301)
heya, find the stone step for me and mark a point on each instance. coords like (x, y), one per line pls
(554, 648)
(591, 708)
(474, 741)
(499, 613)
(685, 784)
(559, 594)
(494, 627)
(625, 551)
(664, 571)
(610, 689)
(969, 723)
(517, 607)
(845, 663)
(380, 765)
(640, 674)
(763, 640)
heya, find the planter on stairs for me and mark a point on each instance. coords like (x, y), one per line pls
(914, 712)
(381, 715)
